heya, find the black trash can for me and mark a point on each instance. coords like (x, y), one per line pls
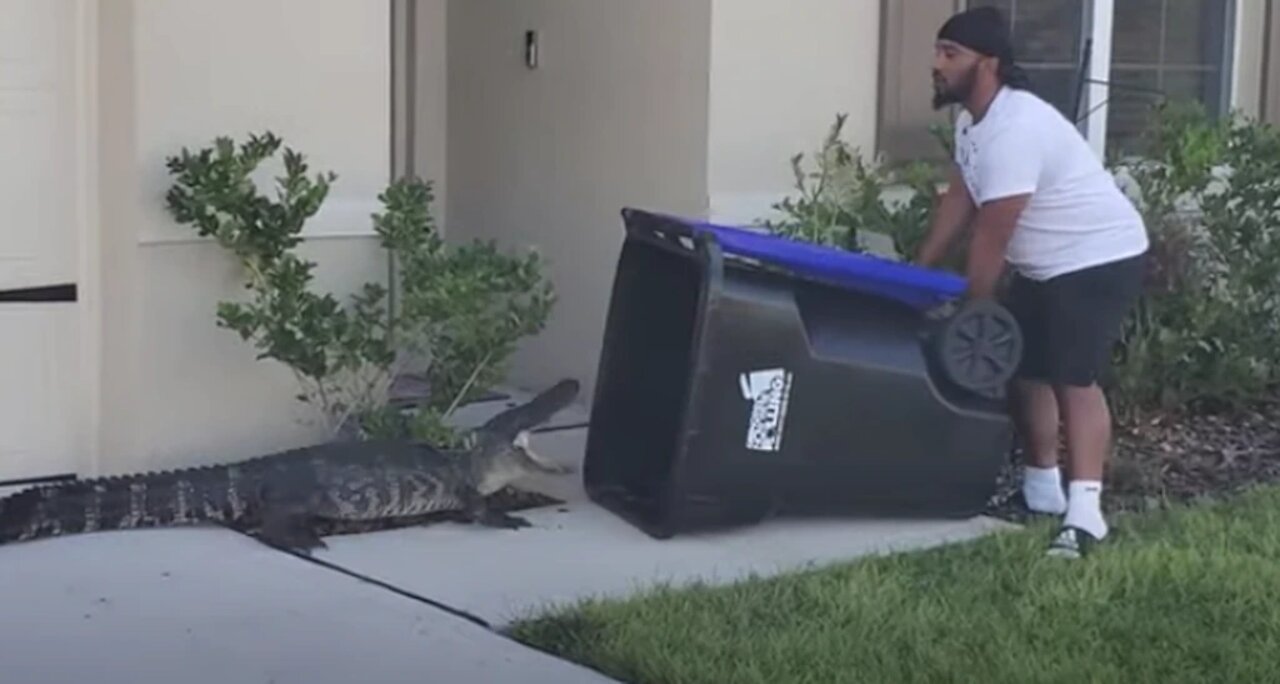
(744, 375)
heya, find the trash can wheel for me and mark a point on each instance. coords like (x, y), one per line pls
(980, 346)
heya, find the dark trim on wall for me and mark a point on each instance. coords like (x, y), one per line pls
(394, 78)
(882, 78)
(45, 480)
(48, 293)
(1265, 112)
(404, 87)
(410, 85)
(404, 106)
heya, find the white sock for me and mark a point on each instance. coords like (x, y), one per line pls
(1042, 488)
(1084, 509)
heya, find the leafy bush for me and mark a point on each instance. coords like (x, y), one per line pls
(1209, 191)
(844, 199)
(462, 309)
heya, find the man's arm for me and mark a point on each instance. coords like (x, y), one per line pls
(992, 229)
(1008, 171)
(954, 211)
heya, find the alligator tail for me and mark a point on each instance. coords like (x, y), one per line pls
(165, 499)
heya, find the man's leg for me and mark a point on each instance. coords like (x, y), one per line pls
(1087, 420)
(1088, 312)
(1036, 415)
(1033, 404)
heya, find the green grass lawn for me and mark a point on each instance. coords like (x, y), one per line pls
(1189, 595)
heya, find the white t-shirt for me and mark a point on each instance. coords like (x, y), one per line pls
(1077, 216)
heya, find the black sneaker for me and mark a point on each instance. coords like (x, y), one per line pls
(1071, 542)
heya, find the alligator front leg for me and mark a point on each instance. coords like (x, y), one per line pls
(290, 531)
(287, 522)
(476, 509)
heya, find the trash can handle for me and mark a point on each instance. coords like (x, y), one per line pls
(667, 232)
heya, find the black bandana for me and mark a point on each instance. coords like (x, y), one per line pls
(982, 30)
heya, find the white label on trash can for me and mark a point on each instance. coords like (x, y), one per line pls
(768, 391)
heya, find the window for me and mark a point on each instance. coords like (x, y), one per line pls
(1157, 48)
(1048, 38)
(1170, 48)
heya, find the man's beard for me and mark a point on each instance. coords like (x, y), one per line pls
(944, 95)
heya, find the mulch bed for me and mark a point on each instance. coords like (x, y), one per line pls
(1177, 458)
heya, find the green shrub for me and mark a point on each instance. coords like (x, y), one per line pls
(462, 309)
(843, 200)
(1205, 331)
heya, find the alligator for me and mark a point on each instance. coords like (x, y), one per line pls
(281, 498)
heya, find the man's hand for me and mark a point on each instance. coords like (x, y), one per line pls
(992, 229)
(943, 311)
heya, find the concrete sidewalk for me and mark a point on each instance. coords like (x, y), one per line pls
(209, 606)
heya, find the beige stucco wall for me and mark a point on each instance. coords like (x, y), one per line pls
(616, 115)
(175, 388)
(772, 97)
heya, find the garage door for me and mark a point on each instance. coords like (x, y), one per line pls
(42, 383)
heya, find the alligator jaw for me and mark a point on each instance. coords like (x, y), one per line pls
(534, 459)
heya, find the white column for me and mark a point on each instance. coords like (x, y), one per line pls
(1095, 125)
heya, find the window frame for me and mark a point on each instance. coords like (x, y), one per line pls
(1097, 93)
(1269, 92)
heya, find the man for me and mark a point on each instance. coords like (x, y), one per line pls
(1039, 199)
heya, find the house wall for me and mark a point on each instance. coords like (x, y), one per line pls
(175, 388)
(772, 98)
(615, 115)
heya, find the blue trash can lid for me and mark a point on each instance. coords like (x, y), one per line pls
(913, 285)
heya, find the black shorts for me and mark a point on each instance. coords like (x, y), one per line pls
(1070, 323)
